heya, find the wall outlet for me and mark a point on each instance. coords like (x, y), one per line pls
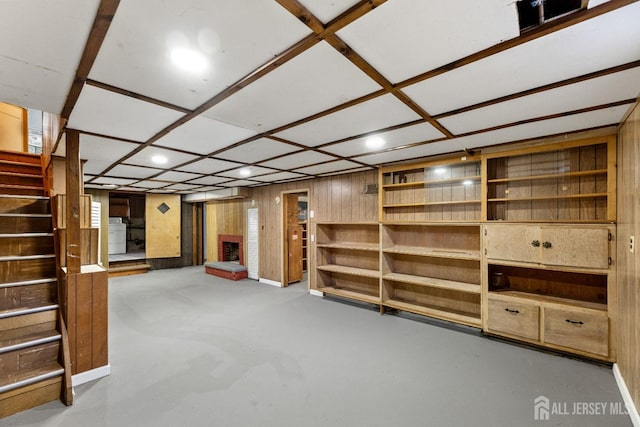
(313, 238)
(632, 244)
(311, 214)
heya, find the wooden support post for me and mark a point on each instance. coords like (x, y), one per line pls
(73, 249)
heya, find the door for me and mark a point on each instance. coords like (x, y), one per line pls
(575, 246)
(513, 242)
(253, 243)
(292, 242)
(294, 237)
(162, 224)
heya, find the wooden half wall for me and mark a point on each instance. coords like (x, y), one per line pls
(628, 262)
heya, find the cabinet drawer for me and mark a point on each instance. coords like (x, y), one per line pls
(583, 331)
(514, 318)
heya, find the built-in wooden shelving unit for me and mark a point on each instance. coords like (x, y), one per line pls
(519, 242)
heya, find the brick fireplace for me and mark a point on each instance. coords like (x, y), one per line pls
(230, 248)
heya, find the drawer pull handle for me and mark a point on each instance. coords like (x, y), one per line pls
(511, 311)
(546, 245)
(573, 322)
(535, 243)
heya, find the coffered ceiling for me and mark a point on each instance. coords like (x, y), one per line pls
(293, 89)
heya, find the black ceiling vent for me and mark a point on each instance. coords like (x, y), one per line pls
(532, 13)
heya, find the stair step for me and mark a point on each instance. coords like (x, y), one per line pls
(27, 324)
(129, 270)
(16, 204)
(28, 282)
(25, 311)
(25, 257)
(41, 373)
(21, 179)
(25, 223)
(31, 340)
(20, 157)
(25, 244)
(18, 269)
(22, 190)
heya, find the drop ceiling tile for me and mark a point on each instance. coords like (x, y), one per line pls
(325, 11)
(279, 177)
(133, 171)
(176, 176)
(182, 187)
(209, 180)
(254, 171)
(402, 38)
(95, 167)
(442, 147)
(314, 81)
(297, 160)
(97, 148)
(41, 44)
(108, 113)
(336, 166)
(174, 158)
(255, 151)
(603, 90)
(240, 183)
(208, 166)
(160, 191)
(151, 184)
(394, 138)
(203, 135)
(379, 113)
(596, 44)
(210, 188)
(234, 38)
(106, 180)
(576, 122)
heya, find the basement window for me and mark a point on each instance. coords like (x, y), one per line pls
(532, 13)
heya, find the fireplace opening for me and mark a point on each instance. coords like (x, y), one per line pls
(230, 248)
(231, 251)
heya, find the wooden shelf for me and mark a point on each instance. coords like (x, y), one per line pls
(433, 311)
(350, 294)
(433, 252)
(451, 202)
(433, 282)
(332, 268)
(549, 176)
(374, 247)
(433, 182)
(568, 196)
(547, 299)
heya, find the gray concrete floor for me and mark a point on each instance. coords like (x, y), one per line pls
(190, 349)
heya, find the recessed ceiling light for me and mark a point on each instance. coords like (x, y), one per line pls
(110, 186)
(374, 142)
(188, 59)
(159, 159)
(245, 172)
(467, 182)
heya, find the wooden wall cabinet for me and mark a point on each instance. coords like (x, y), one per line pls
(554, 288)
(348, 260)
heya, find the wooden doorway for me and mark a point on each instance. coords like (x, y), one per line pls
(294, 214)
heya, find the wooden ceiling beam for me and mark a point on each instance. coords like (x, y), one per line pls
(104, 16)
(135, 95)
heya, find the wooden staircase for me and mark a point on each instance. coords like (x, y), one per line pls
(33, 342)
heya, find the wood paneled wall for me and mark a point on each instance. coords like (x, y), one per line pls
(629, 263)
(332, 199)
(13, 128)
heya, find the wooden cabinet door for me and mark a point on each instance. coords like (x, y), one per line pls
(162, 224)
(575, 246)
(294, 237)
(512, 242)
